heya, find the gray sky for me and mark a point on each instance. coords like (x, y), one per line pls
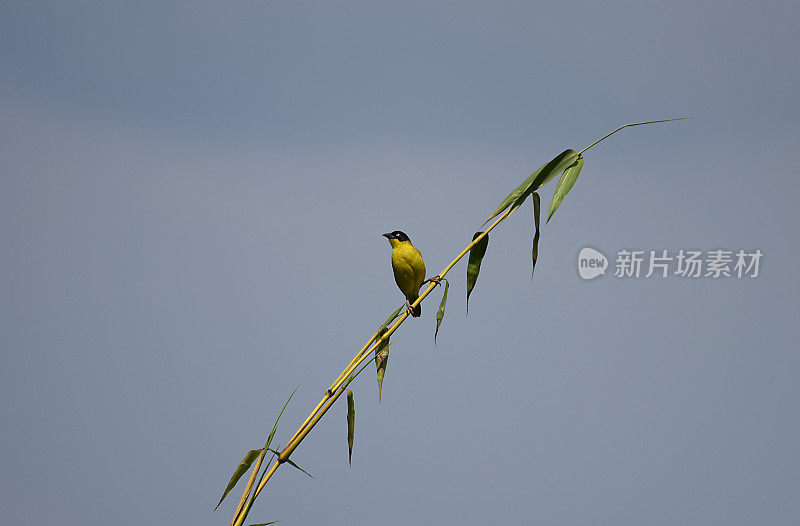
(191, 203)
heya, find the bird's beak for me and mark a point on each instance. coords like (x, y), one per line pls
(388, 235)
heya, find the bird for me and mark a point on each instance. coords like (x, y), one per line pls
(409, 269)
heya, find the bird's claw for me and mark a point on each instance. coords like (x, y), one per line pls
(409, 310)
(435, 279)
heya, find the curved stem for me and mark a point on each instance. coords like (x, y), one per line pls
(334, 385)
(627, 125)
(241, 516)
(328, 400)
(344, 378)
(256, 469)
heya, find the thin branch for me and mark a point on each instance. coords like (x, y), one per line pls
(256, 469)
(346, 376)
(627, 125)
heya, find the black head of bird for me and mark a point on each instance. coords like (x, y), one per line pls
(397, 235)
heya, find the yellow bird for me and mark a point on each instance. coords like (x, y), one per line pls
(409, 269)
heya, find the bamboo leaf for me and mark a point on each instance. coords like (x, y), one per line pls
(535, 249)
(536, 180)
(564, 185)
(275, 425)
(381, 360)
(555, 167)
(518, 203)
(392, 316)
(267, 447)
(476, 254)
(265, 523)
(291, 462)
(244, 465)
(515, 194)
(440, 313)
(351, 425)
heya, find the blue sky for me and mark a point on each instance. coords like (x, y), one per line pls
(191, 203)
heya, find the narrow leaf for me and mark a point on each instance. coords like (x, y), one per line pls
(515, 194)
(536, 180)
(476, 254)
(381, 359)
(291, 462)
(244, 465)
(265, 523)
(555, 167)
(518, 203)
(535, 249)
(564, 185)
(393, 316)
(351, 425)
(275, 425)
(440, 313)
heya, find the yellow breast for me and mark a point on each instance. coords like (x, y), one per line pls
(409, 269)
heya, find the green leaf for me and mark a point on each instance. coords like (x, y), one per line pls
(351, 425)
(536, 180)
(392, 316)
(535, 249)
(267, 447)
(275, 425)
(518, 203)
(265, 523)
(244, 465)
(440, 313)
(291, 462)
(381, 359)
(564, 185)
(476, 254)
(555, 167)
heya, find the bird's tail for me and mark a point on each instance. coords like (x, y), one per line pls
(416, 312)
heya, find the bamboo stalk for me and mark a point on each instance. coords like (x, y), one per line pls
(332, 388)
(337, 385)
(249, 486)
(346, 376)
(337, 388)
(239, 518)
(359, 356)
(282, 458)
(626, 126)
